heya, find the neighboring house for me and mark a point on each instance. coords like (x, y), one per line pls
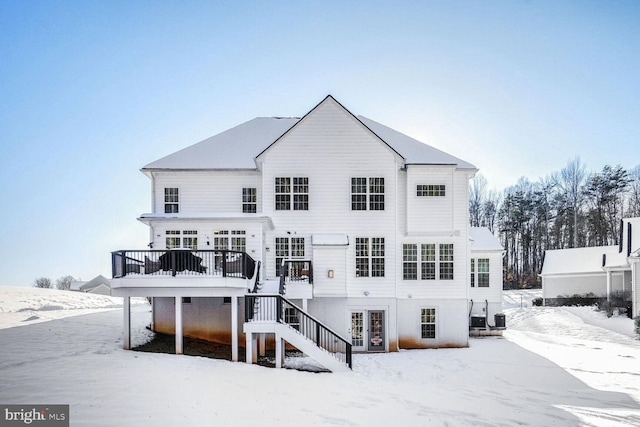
(329, 231)
(599, 270)
(98, 285)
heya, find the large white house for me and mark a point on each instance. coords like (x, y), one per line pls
(331, 232)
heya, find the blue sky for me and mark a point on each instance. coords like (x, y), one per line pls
(93, 90)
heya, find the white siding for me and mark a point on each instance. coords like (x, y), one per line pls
(493, 293)
(430, 214)
(327, 258)
(206, 191)
(330, 147)
(557, 286)
(452, 324)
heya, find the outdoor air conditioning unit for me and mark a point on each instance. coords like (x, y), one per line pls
(478, 321)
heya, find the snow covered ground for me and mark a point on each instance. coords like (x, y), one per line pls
(554, 367)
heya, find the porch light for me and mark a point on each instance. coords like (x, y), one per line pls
(330, 274)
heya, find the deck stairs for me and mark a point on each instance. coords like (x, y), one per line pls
(268, 312)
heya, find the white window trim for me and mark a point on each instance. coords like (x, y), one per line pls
(435, 323)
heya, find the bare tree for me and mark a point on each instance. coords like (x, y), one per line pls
(477, 197)
(42, 282)
(570, 181)
(64, 283)
(633, 209)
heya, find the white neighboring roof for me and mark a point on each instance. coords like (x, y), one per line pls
(238, 147)
(96, 282)
(330, 240)
(616, 259)
(483, 240)
(575, 260)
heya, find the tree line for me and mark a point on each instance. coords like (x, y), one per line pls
(570, 208)
(62, 283)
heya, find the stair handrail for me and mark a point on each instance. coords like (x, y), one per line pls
(313, 330)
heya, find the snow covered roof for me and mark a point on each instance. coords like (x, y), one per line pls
(413, 151)
(95, 282)
(330, 240)
(616, 259)
(238, 147)
(576, 260)
(148, 217)
(482, 239)
(232, 149)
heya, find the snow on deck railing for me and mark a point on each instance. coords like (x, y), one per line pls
(215, 263)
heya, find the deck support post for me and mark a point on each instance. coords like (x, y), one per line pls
(178, 306)
(278, 351)
(248, 348)
(126, 301)
(234, 328)
(263, 344)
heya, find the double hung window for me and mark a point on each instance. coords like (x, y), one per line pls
(249, 200)
(292, 193)
(428, 323)
(367, 193)
(427, 261)
(369, 256)
(171, 200)
(480, 272)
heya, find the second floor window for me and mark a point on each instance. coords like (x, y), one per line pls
(171, 200)
(427, 261)
(292, 193)
(480, 272)
(367, 193)
(249, 200)
(369, 257)
(409, 262)
(446, 261)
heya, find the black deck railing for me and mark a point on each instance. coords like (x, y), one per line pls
(276, 308)
(295, 271)
(217, 263)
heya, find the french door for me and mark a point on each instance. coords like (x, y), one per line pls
(367, 330)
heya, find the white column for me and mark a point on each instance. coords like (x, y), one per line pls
(263, 344)
(178, 325)
(634, 290)
(234, 328)
(126, 301)
(304, 305)
(254, 348)
(608, 285)
(279, 355)
(248, 347)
